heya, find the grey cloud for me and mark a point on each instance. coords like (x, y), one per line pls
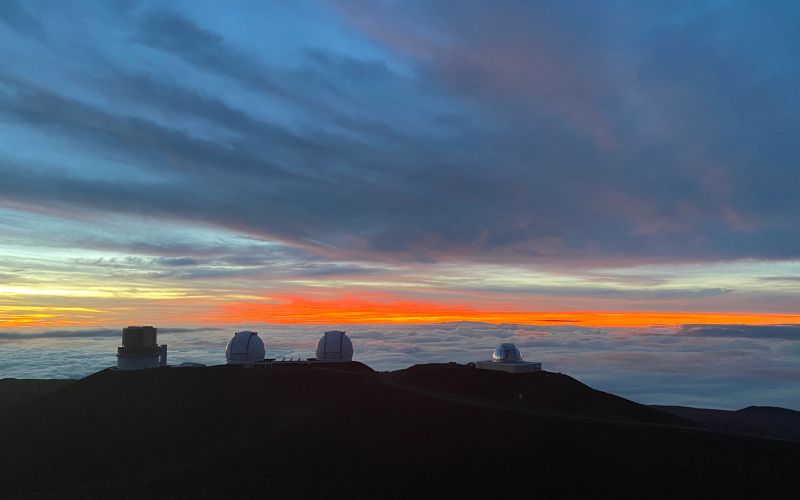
(178, 261)
(53, 334)
(190, 330)
(253, 254)
(84, 333)
(632, 293)
(335, 270)
(5, 277)
(788, 332)
(780, 278)
(248, 261)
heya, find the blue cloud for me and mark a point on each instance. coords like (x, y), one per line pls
(590, 134)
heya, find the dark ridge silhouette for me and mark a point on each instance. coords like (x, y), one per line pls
(335, 430)
(768, 421)
(15, 391)
(540, 391)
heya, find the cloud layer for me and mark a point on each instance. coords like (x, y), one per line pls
(649, 366)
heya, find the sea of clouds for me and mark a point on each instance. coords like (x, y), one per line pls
(708, 366)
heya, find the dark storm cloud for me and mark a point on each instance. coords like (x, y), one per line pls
(516, 133)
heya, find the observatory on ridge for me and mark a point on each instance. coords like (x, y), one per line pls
(507, 358)
(334, 345)
(245, 348)
(139, 349)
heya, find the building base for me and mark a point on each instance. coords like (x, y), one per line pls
(510, 367)
(125, 363)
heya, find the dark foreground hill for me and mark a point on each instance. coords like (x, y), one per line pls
(540, 392)
(344, 430)
(16, 391)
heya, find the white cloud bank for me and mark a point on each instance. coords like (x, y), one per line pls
(650, 366)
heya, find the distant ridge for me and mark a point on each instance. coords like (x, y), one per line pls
(767, 421)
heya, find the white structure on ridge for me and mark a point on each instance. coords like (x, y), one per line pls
(334, 345)
(245, 348)
(506, 358)
(139, 349)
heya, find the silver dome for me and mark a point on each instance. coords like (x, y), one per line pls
(506, 353)
(245, 347)
(335, 345)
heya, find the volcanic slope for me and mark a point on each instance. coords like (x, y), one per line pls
(768, 421)
(343, 429)
(16, 391)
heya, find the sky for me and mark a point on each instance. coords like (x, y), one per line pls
(619, 165)
(612, 164)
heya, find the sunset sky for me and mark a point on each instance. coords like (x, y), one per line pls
(603, 164)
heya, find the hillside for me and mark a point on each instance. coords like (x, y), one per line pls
(16, 391)
(766, 421)
(543, 392)
(325, 430)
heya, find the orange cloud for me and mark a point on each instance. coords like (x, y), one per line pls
(40, 316)
(353, 308)
(374, 309)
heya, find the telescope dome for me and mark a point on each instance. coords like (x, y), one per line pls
(334, 346)
(506, 353)
(245, 347)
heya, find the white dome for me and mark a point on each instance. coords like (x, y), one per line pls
(335, 346)
(506, 353)
(244, 347)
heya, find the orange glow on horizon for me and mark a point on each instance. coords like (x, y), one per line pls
(370, 308)
(39, 316)
(380, 310)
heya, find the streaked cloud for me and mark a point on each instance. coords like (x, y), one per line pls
(511, 134)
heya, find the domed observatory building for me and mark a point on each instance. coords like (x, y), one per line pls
(245, 348)
(139, 349)
(335, 345)
(507, 358)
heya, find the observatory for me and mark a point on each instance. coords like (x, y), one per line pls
(507, 358)
(245, 348)
(139, 349)
(334, 345)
